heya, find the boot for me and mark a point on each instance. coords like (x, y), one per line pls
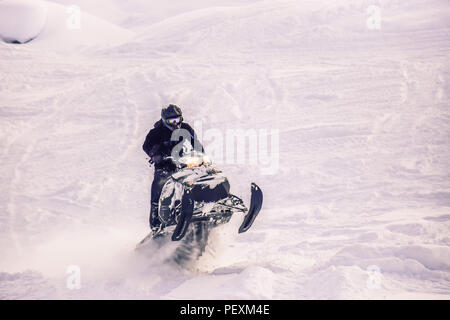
(155, 224)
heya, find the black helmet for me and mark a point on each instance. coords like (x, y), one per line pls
(172, 116)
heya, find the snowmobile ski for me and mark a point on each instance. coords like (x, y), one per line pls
(187, 209)
(255, 207)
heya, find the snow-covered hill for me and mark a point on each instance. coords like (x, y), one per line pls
(358, 207)
(56, 28)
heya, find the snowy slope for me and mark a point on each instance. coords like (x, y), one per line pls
(363, 119)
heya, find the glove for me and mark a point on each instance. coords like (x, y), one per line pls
(156, 159)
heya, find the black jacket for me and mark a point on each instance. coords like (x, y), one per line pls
(158, 142)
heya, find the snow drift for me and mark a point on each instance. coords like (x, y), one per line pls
(55, 27)
(21, 21)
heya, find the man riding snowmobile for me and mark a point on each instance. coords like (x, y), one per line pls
(159, 146)
(189, 195)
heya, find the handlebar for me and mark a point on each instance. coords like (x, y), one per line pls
(181, 164)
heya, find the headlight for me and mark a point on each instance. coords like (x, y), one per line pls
(206, 160)
(193, 162)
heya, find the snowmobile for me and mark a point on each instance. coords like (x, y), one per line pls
(197, 198)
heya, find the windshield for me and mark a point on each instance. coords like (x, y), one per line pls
(194, 159)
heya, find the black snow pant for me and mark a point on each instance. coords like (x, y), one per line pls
(160, 178)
